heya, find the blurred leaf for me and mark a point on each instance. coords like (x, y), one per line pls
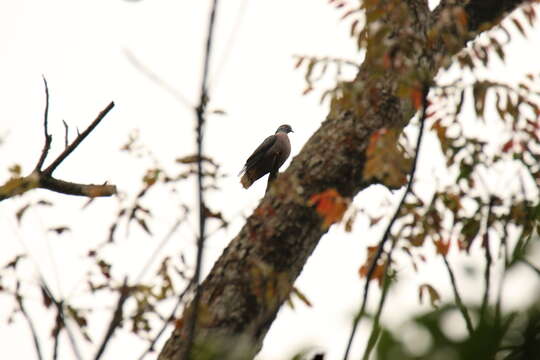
(434, 296)
(385, 162)
(329, 205)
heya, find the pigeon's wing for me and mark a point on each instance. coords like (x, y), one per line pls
(259, 152)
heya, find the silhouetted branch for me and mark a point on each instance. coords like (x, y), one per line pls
(200, 113)
(156, 79)
(59, 305)
(50, 169)
(380, 247)
(166, 322)
(43, 178)
(48, 138)
(35, 337)
(376, 328)
(116, 319)
(66, 139)
(459, 302)
(487, 252)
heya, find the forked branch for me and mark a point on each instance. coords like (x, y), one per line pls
(43, 179)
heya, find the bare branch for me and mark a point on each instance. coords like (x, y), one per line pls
(116, 319)
(200, 113)
(66, 139)
(60, 309)
(50, 169)
(487, 252)
(156, 79)
(71, 188)
(44, 179)
(31, 326)
(167, 321)
(459, 302)
(48, 138)
(386, 235)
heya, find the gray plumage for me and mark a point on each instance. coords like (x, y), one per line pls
(267, 158)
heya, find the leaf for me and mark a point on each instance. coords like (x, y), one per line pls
(15, 170)
(385, 162)
(13, 263)
(215, 215)
(519, 26)
(143, 224)
(434, 296)
(19, 214)
(442, 246)
(507, 146)
(151, 176)
(378, 270)
(47, 301)
(59, 229)
(479, 93)
(330, 205)
(416, 98)
(470, 231)
(219, 112)
(191, 159)
(441, 135)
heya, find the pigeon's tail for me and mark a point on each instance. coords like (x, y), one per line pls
(246, 181)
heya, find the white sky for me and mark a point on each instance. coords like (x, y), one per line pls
(80, 46)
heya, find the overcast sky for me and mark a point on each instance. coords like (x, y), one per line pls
(84, 49)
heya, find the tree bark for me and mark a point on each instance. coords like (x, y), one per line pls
(256, 272)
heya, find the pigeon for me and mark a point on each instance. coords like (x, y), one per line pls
(267, 158)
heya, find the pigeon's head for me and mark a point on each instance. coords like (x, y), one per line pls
(284, 128)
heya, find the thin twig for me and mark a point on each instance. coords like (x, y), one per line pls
(50, 169)
(229, 44)
(116, 319)
(166, 322)
(55, 345)
(60, 309)
(487, 252)
(158, 248)
(66, 129)
(35, 337)
(48, 138)
(386, 234)
(158, 80)
(530, 265)
(459, 302)
(376, 328)
(200, 113)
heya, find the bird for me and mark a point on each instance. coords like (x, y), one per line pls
(267, 158)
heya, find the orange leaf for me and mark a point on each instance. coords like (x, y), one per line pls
(507, 146)
(416, 98)
(329, 205)
(442, 247)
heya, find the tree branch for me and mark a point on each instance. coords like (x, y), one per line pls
(386, 235)
(50, 169)
(459, 302)
(35, 337)
(253, 277)
(43, 178)
(48, 138)
(116, 319)
(200, 113)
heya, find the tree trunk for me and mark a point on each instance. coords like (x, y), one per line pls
(253, 277)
